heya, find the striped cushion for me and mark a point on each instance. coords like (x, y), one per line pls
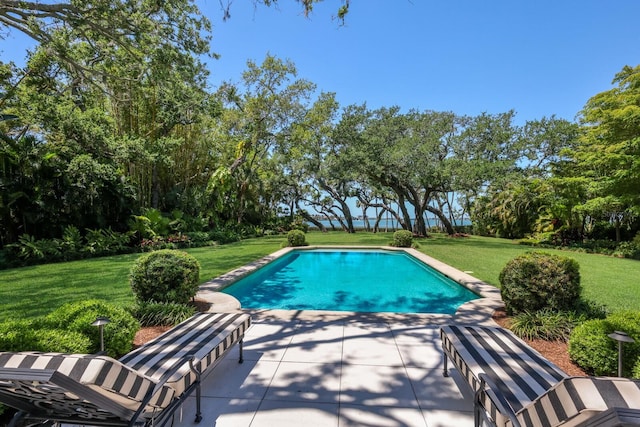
(104, 375)
(576, 399)
(207, 335)
(520, 373)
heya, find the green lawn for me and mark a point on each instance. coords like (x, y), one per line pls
(32, 291)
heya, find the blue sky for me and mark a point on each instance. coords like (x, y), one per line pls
(537, 57)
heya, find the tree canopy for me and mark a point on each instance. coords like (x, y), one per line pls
(111, 120)
(608, 153)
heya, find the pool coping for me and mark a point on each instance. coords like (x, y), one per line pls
(478, 311)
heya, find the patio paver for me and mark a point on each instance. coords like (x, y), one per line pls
(328, 369)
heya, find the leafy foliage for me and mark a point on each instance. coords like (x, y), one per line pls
(402, 239)
(536, 280)
(608, 151)
(636, 370)
(161, 313)
(68, 330)
(591, 348)
(222, 236)
(165, 276)
(545, 324)
(78, 317)
(509, 210)
(296, 238)
(36, 335)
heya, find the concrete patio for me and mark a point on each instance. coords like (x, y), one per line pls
(335, 369)
(318, 368)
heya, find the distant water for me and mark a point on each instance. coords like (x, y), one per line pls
(391, 225)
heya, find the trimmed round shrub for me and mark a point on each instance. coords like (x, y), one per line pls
(538, 280)
(402, 239)
(165, 276)
(36, 336)
(296, 238)
(591, 348)
(78, 317)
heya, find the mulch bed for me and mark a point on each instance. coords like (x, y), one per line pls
(555, 351)
(147, 333)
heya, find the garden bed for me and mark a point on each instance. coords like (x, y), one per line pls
(555, 351)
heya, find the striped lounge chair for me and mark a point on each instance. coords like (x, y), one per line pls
(143, 388)
(514, 385)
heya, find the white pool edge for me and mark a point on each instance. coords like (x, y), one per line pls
(478, 311)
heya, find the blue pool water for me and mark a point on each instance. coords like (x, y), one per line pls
(349, 280)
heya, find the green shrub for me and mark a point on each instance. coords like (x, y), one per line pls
(199, 238)
(161, 313)
(545, 324)
(165, 276)
(78, 317)
(636, 369)
(537, 280)
(628, 250)
(31, 250)
(299, 223)
(224, 236)
(591, 348)
(106, 242)
(588, 309)
(402, 239)
(296, 238)
(37, 336)
(71, 243)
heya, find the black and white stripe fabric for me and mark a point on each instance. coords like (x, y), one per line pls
(579, 398)
(98, 390)
(520, 373)
(56, 378)
(207, 336)
(538, 392)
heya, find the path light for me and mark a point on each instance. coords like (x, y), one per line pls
(620, 337)
(100, 322)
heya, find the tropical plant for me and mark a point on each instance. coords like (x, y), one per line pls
(545, 324)
(161, 313)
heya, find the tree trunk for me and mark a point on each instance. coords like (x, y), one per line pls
(344, 207)
(419, 227)
(155, 188)
(311, 219)
(365, 219)
(347, 216)
(406, 222)
(443, 218)
(379, 215)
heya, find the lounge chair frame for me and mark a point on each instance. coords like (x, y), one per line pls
(514, 385)
(143, 388)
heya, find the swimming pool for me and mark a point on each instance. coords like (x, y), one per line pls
(350, 280)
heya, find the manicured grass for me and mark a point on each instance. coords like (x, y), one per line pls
(32, 291)
(607, 280)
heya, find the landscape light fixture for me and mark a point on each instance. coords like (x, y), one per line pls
(620, 337)
(100, 322)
